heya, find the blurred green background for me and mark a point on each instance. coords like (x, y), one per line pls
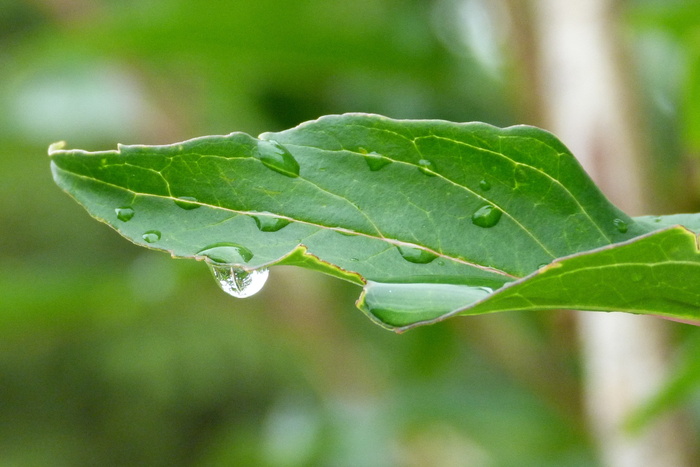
(114, 355)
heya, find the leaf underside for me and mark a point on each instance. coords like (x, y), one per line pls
(432, 218)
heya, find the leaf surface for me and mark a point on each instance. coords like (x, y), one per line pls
(433, 218)
(655, 273)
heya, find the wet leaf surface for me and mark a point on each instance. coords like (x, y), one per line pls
(433, 218)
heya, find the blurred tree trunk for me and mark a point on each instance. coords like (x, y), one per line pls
(586, 99)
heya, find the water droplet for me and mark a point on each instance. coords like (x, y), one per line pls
(636, 277)
(376, 161)
(227, 253)
(276, 157)
(187, 203)
(521, 174)
(487, 216)
(416, 255)
(657, 219)
(270, 223)
(485, 185)
(151, 236)
(427, 167)
(620, 225)
(345, 233)
(124, 214)
(238, 282)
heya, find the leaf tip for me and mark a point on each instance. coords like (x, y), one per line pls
(56, 147)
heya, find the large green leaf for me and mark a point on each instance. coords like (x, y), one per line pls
(433, 218)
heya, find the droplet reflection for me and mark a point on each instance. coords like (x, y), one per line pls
(237, 281)
(124, 214)
(376, 161)
(151, 236)
(227, 253)
(487, 216)
(276, 157)
(416, 255)
(270, 223)
(427, 167)
(620, 225)
(187, 203)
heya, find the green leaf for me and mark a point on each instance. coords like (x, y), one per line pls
(657, 273)
(433, 218)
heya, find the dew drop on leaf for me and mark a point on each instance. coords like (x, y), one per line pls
(124, 214)
(276, 157)
(227, 253)
(427, 167)
(620, 225)
(270, 223)
(151, 236)
(376, 161)
(485, 185)
(416, 255)
(487, 216)
(238, 282)
(521, 175)
(187, 203)
(345, 233)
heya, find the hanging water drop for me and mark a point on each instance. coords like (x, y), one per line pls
(227, 253)
(416, 255)
(487, 216)
(270, 223)
(238, 282)
(427, 167)
(376, 161)
(187, 203)
(276, 157)
(485, 185)
(124, 214)
(620, 225)
(151, 236)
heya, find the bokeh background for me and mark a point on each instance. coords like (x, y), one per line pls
(111, 354)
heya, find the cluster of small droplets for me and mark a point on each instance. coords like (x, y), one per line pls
(225, 259)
